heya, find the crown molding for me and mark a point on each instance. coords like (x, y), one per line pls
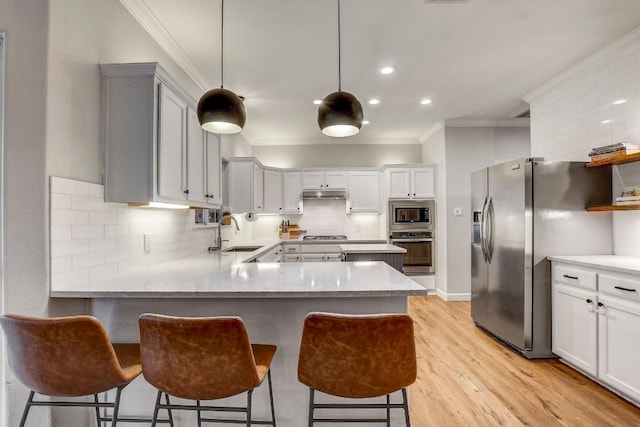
(430, 132)
(338, 141)
(517, 122)
(141, 12)
(630, 37)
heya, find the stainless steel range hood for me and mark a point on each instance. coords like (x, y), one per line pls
(333, 194)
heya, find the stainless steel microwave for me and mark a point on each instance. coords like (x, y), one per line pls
(412, 215)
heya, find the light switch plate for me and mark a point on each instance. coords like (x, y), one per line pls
(457, 211)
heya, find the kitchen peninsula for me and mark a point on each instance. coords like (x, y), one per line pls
(271, 298)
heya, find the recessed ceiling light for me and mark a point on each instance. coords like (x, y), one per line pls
(365, 122)
(317, 101)
(389, 69)
(604, 122)
(425, 101)
(619, 101)
(374, 101)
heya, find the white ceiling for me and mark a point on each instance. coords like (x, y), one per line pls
(474, 60)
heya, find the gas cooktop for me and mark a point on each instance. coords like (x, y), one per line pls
(328, 237)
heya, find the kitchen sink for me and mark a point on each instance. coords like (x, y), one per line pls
(242, 249)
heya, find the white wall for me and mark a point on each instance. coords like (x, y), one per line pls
(567, 116)
(340, 154)
(468, 146)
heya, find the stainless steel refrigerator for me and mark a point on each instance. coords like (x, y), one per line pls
(523, 211)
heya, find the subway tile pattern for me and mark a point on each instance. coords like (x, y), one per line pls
(567, 122)
(92, 240)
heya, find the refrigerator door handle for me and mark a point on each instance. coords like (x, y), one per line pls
(483, 234)
(490, 234)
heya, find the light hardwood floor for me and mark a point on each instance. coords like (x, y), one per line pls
(466, 378)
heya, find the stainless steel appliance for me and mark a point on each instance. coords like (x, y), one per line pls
(523, 211)
(326, 237)
(411, 215)
(419, 258)
(412, 226)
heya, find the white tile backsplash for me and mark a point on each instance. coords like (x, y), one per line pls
(567, 116)
(92, 240)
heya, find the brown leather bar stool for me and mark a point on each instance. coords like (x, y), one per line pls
(69, 357)
(357, 356)
(204, 358)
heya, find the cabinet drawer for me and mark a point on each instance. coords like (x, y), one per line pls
(575, 276)
(291, 249)
(620, 285)
(320, 248)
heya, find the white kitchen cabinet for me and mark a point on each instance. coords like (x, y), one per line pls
(575, 324)
(323, 180)
(320, 252)
(152, 140)
(292, 191)
(411, 183)
(364, 191)
(291, 258)
(312, 257)
(246, 182)
(273, 195)
(213, 169)
(274, 255)
(597, 330)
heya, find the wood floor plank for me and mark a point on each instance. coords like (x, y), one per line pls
(467, 378)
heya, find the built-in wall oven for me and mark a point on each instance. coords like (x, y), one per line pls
(412, 226)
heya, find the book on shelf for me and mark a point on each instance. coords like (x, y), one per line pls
(617, 147)
(628, 198)
(613, 154)
(628, 203)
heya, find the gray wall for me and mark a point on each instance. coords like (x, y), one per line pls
(467, 149)
(339, 154)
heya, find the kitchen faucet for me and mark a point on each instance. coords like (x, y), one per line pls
(218, 245)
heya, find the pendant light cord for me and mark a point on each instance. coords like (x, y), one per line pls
(339, 53)
(222, 46)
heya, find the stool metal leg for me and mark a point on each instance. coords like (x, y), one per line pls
(249, 394)
(199, 414)
(170, 414)
(405, 404)
(388, 411)
(273, 411)
(26, 409)
(154, 420)
(311, 406)
(116, 407)
(97, 400)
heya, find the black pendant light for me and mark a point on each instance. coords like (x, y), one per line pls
(340, 113)
(220, 110)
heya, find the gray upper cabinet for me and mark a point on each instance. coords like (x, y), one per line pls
(155, 149)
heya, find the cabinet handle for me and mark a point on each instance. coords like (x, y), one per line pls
(600, 304)
(414, 194)
(589, 301)
(570, 277)
(186, 191)
(408, 194)
(625, 289)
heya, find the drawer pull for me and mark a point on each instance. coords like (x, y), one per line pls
(625, 289)
(589, 301)
(570, 277)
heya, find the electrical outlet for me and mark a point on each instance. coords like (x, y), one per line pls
(457, 211)
(147, 243)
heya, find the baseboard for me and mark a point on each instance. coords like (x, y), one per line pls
(453, 297)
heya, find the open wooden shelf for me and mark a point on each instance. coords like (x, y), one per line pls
(624, 158)
(613, 208)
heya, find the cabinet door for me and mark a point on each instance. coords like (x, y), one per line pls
(423, 183)
(172, 134)
(619, 344)
(291, 258)
(399, 183)
(364, 191)
(312, 257)
(333, 257)
(313, 180)
(272, 191)
(213, 170)
(258, 189)
(575, 324)
(292, 187)
(240, 184)
(196, 169)
(335, 179)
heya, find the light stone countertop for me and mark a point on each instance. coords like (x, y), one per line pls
(224, 275)
(619, 263)
(379, 248)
